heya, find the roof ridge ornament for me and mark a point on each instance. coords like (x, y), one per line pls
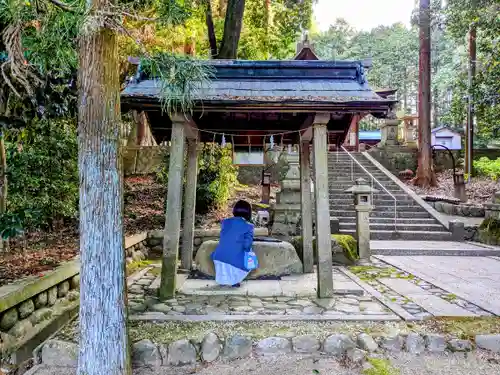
(360, 73)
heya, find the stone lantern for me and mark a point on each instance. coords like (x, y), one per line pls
(389, 132)
(363, 194)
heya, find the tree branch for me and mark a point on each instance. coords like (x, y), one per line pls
(62, 5)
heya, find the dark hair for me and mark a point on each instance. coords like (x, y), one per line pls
(243, 209)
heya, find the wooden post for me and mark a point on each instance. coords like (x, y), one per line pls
(173, 213)
(321, 191)
(306, 208)
(189, 205)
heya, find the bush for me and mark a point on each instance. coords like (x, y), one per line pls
(487, 167)
(43, 174)
(216, 176)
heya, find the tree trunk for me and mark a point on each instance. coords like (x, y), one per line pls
(104, 346)
(232, 29)
(4, 244)
(425, 173)
(210, 29)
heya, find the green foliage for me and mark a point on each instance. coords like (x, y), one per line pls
(179, 77)
(380, 366)
(486, 167)
(217, 176)
(12, 224)
(43, 174)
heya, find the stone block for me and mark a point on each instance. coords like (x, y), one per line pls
(75, 282)
(211, 347)
(181, 352)
(21, 328)
(414, 343)
(52, 296)
(26, 308)
(40, 315)
(305, 344)
(237, 346)
(145, 354)
(457, 229)
(366, 342)
(8, 319)
(488, 342)
(338, 344)
(58, 353)
(62, 289)
(41, 300)
(392, 343)
(456, 345)
(275, 259)
(274, 345)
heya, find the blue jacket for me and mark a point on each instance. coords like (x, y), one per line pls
(236, 238)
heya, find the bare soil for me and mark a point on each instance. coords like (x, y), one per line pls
(144, 200)
(480, 190)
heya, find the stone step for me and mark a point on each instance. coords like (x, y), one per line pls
(341, 190)
(387, 235)
(400, 227)
(389, 220)
(376, 202)
(382, 214)
(399, 197)
(340, 207)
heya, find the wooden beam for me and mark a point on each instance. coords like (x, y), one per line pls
(190, 128)
(306, 133)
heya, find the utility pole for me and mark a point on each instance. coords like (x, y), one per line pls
(469, 134)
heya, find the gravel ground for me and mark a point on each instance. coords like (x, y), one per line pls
(451, 364)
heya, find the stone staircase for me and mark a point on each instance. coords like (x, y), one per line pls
(413, 222)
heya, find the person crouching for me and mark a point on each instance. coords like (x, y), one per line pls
(236, 239)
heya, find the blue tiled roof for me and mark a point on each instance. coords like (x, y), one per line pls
(334, 82)
(372, 135)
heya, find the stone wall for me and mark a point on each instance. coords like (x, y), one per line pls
(356, 349)
(29, 306)
(154, 240)
(136, 247)
(33, 308)
(143, 159)
(400, 158)
(462, 209)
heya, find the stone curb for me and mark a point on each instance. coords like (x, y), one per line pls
(436, 215)
(463, 210)
(160, 317)
(145, 353)
(379, 296)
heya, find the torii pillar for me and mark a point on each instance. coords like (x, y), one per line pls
(322, 199)
(182, 128)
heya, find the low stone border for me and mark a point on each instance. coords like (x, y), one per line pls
(154, 239)
(31, 309)
(145, 353)
(462, 209)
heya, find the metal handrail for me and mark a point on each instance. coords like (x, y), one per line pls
(353, 160)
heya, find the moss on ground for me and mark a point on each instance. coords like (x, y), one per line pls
(137, 265)
(367, 273)
(346, 242)
(489, 231)
(464, 328)
(380, 367)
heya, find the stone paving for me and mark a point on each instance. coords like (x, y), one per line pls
(291, 296)
(411, 287)
(474, 281)
(417, 296)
